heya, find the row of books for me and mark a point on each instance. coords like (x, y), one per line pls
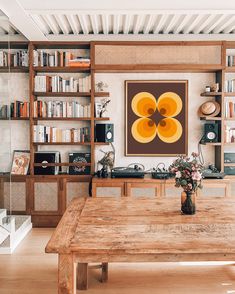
(229, 110)
(46, 134)
(58, 84)
(59, 58)
(230, 60)
(19, 58)
(17, 109)
(229, 134)
(229, 85)
(61, 109)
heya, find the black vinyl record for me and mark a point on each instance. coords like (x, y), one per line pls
(44, 157)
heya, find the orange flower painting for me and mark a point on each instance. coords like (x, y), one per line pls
(156, 118)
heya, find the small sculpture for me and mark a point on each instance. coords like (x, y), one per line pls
(100, 86)
(107, 161)
(104, 104)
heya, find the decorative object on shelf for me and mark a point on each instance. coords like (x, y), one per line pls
(107, 162)
(100, 86)
(20, 162)
(215, 87)
(80, 158)
(188, 175)
(45, 157)
(156, 118)
(104, 104)
(98, 108)
(104, 133)
(207, 89)
(209, 108)
(4, 111)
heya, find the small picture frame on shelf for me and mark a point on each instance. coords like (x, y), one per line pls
(98, 109)
(20, 162)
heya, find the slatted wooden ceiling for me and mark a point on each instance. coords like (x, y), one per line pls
(134, 23)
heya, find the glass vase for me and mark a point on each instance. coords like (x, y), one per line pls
(188, 203)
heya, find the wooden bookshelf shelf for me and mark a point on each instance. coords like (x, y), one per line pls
(210, 118)
(64, 69)
(214, 143)
(62, 94)
(62, 143)
(229, 119)
(70, 94)
(211, 94)
(101, 118)
(229, 94)
(62, 118)
(63, 164)
(17, 69)
(15, 118)
(229, 144)
(230, 69)
(101, 143)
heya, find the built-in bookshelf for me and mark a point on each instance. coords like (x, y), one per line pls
(62, 70)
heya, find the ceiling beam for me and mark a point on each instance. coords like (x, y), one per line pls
(173, 20)
(52, 24)
(149, 24)
(138, 23)
(116, 23)
(211, 27)
(105, 24)
(83, 24)
(193, 24)
(127, 24)
(94, 24)
(161, 23)
(220, 28)
(204, 24)
(22, 20)
(73, 23)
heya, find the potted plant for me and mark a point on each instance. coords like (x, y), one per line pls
(188, 175)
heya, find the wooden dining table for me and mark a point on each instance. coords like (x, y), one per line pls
(106, 230)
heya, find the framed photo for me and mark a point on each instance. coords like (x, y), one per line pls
(20, 162)
(156, 118)
(98, 109)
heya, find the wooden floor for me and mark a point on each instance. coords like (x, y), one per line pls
(30, 271)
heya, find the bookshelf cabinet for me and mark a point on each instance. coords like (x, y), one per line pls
(113, 57)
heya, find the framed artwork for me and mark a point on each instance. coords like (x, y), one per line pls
(20, 162)
(156, 118)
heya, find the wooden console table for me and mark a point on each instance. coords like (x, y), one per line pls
(126, 184)
(108, 230)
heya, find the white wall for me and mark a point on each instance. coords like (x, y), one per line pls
(196, 85)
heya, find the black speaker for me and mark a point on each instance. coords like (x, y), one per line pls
(104, 133)
(211, 132)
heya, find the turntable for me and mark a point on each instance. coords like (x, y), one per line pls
(128, 172)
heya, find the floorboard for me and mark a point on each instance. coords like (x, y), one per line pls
(30, 271)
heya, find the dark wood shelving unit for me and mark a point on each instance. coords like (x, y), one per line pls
(62, 118)
(15, 118)
(62, 164)
(210, 118)
(62, 143)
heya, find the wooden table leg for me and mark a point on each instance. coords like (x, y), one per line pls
(104, 277)
(82, 276)
(66, 279)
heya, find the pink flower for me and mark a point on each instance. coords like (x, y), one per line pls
(196, 176)
(178, 174)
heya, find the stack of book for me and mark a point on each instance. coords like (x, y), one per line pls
(45, 134)
(229, 109)
(58, 84)
(60, 109)
(19, 58)
(230, 60)
(59, 58)
(229, 85)
(19, 109)
(229, 135)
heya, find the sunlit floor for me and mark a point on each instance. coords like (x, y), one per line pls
(30, 271)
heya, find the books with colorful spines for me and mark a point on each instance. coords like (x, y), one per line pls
(231, 109)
